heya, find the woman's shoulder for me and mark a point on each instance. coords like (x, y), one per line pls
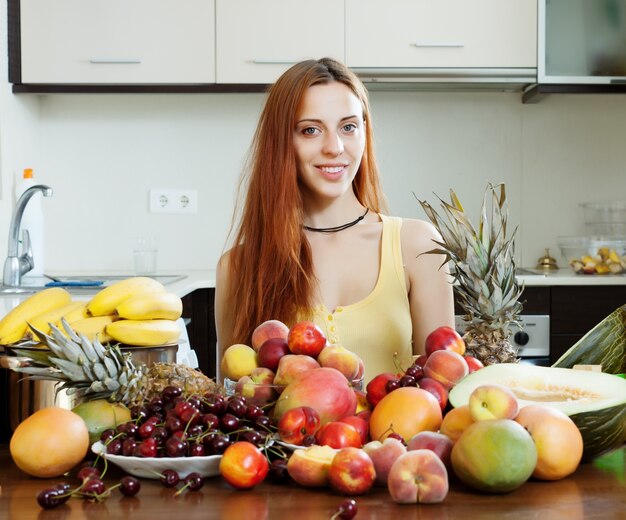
(418, 235)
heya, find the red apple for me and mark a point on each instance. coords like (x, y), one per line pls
(418, 476)
(243, 465)
(473, 363)
(375, 389)
(306, 338)
(297, 423)
(352, 472)
(359, 424)
(444, 338)
(271, 351)
(338, 435)
(435, 388)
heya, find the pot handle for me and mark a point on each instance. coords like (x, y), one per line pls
(13, 362)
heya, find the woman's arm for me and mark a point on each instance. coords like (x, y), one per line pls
(223, 310)
(429, 283)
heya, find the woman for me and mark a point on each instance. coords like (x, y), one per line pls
(313, 241)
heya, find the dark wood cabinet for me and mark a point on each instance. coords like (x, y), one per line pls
(198, 309)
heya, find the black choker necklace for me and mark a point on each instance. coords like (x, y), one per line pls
(337, 228)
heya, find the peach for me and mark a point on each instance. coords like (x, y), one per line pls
(444, 338)
(266, 330)
(362, 403)
(309, 466)
(447, 367)
(434, 441)
(383, 455)
(238, 360)
(493, 401)
(291, 366)
(473, 363)
(418, 476)
(455, 422)
(305, 337)
(298, 423)
(558, 441)
(258, 387)
(351, 472)
(340, 358)
(324, 389)
(405, 411)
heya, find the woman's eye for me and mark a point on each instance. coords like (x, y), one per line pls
(309, 131)
(350, 127)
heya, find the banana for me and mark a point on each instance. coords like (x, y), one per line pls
(14, 325)
(42, 321)
(150, 306)
(146, 333)
(106, 300)
(79, 313)
(94, 327)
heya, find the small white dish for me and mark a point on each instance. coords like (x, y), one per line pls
(208, 466)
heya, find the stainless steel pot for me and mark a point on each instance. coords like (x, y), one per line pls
(26, 396)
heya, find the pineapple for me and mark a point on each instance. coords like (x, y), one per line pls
(486, 288)
(92, 371)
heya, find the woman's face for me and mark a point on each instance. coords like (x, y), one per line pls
(329, 139)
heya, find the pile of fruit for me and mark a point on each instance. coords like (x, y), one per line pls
(134, 311)
(606, 261)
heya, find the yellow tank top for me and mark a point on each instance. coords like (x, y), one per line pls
(380, 324)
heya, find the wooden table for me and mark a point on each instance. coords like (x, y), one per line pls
(596, 490)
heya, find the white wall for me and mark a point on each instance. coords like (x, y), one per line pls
(102, 153)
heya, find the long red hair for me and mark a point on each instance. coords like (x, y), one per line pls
(271, 268)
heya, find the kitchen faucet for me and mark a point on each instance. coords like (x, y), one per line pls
(15, 266)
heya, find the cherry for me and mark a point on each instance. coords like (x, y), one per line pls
(180, 407)
(254, 437)
(278, 471)
(397, 436)
(308, 440)
(156, 405)
(87, 472)
(263, 422)
(128, 447)
(253, 411)
(195, 401)
(92, 486)
(161, 434)
(147, 448)
(214, 403)
(197, 450)
(218, 445)
(106, 435)
(391, 385)
(229, 422)
(346, 510)
(146, 429)
(173, 424)
(415, 371)
(194, 481)
(211, 421)
(189, 415)
(169, 393)
(129, 486)
(114, 447)
(139, 412)
(48, 498)
(175, 447)
(236, 407)
(169, 478)
(406, 380)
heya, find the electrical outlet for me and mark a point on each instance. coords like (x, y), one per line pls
(173, 201)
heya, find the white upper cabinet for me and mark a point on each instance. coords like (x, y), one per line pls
(441, 33)
(257, 40)
(118, 41)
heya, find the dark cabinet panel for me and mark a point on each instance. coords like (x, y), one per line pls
(198, 307)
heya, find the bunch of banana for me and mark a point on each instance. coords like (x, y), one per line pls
(108, 299)
(14, 325)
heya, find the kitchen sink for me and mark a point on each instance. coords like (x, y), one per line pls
(79, 282)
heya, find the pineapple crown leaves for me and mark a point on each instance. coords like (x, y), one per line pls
(82, 366)
(483, 257)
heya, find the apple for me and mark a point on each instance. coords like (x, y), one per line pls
(383, 455)
(291, 366)
(351, 472)
(306, 338)
(297, 423)
(439, 443)
(437, 389)
(418, 476)
(266, 330)
(444, 338)
(272, 351)
(338, 435)
(376, 388)
(243, 465)
(359, 424)
(493, 401)
(258, 387)
(309, 466)
(473, 363)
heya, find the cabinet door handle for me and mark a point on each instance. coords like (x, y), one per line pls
(439, 44)
(114, 61)
(263, 61)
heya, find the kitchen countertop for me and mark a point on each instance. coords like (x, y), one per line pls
(595, 490)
